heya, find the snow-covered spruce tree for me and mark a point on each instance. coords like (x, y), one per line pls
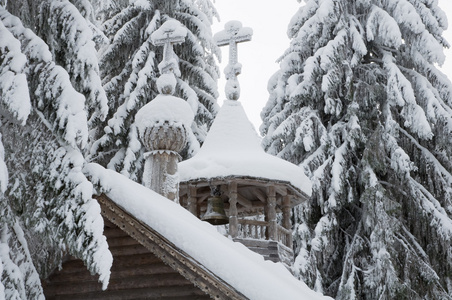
(69, 30)
(46, 205)
(359, 103)
(129, 66)
(70, 38)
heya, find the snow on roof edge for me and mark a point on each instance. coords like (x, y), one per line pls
(243, 269)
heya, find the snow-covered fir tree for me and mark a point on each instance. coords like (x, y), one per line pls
(54, 116)
(360, 104)
(129, 67)
(46, 205)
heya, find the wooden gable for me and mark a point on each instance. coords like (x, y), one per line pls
(145, 266)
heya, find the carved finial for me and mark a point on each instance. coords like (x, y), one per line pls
(233, 34)
(170, 33)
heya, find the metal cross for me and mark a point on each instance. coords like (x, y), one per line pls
(233, 34)
(170, 33)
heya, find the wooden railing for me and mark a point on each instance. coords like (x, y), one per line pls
(253, 229)
(284, 236)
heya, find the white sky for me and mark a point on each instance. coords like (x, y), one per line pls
(269, 20)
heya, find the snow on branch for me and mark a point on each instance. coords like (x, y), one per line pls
(67, 26)
(432, 208)
(435, 108)
(14, 94)
(401, 93)
(308, 87)
(299, 19)
(14, 285)
(76, 217)
(54, 89)
(358, 42)
(429, 47)
(113, 25)
(137, 87)
(405, 14)
(199, 26)
(438, 79)
(3, 169)
(382, 28)
(442, 175)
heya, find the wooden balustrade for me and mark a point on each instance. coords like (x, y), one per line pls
(253, 229)
(284, 236)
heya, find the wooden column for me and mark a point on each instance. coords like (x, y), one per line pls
(233, 222)
(271, 213)
(286, 219)
(192, 200)
(159, 173)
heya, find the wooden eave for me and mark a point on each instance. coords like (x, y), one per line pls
(243, 182)
(168, 252)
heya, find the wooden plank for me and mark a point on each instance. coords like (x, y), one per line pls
(118, 272)
(137, 282)
(70, 266)
(120, 241)
(252, 222)
(162, 293)
(114, 232)
(135, 260)
(128, 250)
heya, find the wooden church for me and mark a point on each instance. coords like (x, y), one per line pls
(161, 245)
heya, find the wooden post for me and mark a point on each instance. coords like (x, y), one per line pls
(159, 173)
(192, 200)
(271, 213)
(286, 219)
(233, 222)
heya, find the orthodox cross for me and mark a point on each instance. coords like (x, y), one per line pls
(170, 33)
(233, 34)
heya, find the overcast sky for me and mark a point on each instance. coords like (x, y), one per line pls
(269, 20)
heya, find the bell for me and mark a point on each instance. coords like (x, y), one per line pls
(215, 214)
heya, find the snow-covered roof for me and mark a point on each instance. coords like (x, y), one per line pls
(232, 148)
(243, 269)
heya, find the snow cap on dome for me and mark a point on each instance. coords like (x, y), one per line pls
(164, 108)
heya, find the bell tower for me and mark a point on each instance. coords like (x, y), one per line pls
(232, 180)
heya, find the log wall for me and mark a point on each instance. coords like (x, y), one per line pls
(136, 274)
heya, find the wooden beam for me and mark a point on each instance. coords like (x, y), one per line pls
(242, 200)
(233, 199)
(192, 200)
(203, 197)
(261, 196)
(281, 190)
